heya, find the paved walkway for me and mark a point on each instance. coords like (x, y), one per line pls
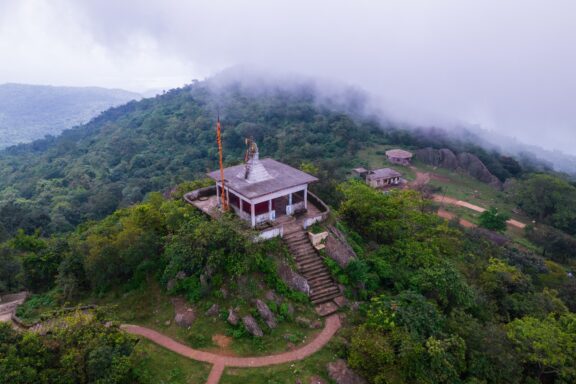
(219, 362)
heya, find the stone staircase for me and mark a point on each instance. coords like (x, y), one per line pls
(323, 289)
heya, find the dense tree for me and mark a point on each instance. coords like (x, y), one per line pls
(548, 346)
(548, 199)
(81, 351)
(493, 220)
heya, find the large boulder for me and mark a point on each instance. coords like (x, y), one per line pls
(266, 314)
(473, 166)
(337, 248)
(293, 280)
(213, 310)
(342, 374)
(427, 156)
(447, 159)
(252, 326)
(184, 315)
(465, 162)
(443, 158)
(233, 317)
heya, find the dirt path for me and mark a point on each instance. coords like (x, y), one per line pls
(422, 178)
(449, 200)
(219, 362)
(449, 216)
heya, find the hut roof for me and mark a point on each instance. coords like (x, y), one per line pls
(269, 176)
(383, 173)
(399, 154)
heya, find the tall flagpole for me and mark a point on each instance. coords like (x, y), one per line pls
(223, 191)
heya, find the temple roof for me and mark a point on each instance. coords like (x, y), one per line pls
(266, 176)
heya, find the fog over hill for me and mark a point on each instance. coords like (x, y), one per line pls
(30, 112)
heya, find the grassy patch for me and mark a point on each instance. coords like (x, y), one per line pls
(289, 373)
(152, 308)
(33, 309)
(157, 365)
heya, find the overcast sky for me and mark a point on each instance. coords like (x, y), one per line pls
(507, 65)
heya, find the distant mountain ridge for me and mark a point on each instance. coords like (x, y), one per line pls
(30, 112)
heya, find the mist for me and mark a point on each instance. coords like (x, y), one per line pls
(504, 67)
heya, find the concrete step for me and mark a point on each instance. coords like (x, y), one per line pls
(324, 299)
(306, 254)
(331, 290)
(320, 280)
(315, 270)
(302, 248)
(306, 264)
(328, 295)
(297, 235)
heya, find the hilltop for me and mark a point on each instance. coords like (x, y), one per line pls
(30, 112)
(149, 145)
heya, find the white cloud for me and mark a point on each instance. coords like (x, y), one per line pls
(505, 64)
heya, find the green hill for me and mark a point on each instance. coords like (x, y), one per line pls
(150, 145)
(30, 112)
(153, 144)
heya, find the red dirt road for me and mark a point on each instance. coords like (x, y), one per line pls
(465, 204)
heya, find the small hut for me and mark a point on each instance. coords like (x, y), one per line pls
(399, 156)
(383, 177)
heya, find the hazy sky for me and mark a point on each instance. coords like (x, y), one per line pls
(508, 65)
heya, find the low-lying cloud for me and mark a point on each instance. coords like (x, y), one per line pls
(507, 66)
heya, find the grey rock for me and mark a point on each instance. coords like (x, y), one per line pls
(271, 296)
(186, 318)
(266, 314)
(233, 317)
(213, 311)
(184, 315)
(252, 326)
(338, 251)
(472, 165)
(342, 374)
(303, 321)
(181, 275)
(293, 279)
(171, 284)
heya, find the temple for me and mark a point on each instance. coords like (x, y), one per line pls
(260, 191)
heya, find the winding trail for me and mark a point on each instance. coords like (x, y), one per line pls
(220, 362)
(465, 204)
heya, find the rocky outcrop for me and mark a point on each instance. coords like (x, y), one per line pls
(337, 247)
(266, 314)
(293, 280)
(464, 162)
(233, 317)
(342, 374)
(213, 310)
(184, 315)
(252, 326)
(476, 168)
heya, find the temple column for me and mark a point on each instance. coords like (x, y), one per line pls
(290, 202)
(270, 209)
(253, 214)
(306, 197)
